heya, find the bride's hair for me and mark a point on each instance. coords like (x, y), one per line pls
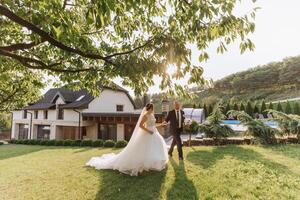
(149, 106)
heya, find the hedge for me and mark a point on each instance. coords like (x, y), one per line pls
(68, 142)
(1, 143)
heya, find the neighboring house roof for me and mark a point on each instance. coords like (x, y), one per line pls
(72, 99)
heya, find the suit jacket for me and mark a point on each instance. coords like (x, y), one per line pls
(173, 120)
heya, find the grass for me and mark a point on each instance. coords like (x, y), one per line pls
(229, 172)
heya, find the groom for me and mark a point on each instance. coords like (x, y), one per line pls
(176, 119)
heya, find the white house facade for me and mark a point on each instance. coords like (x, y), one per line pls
(66, 114)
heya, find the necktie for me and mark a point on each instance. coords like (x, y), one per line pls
(178, 118)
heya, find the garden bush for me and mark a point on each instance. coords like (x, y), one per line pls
(1, 143)
(76, 143)
(59, 143)
(31, 142)
(26, 141)
(109, 143)
(44, 142)
(19, 141)
(12, 141)
(68, 143)
(51, 143)
(87, 143)
(98, 143)
(121, 143)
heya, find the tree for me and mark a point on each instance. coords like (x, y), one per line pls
(296, 109)
(227, 108)
(263, 107)
(270, 106)
(249, 109)
(235, 107)
(17, 87)
(5, 121)
(205, 110)
(256, 128)
(242, 107)
(210, 109)
(88, 41)
(279, 107)
(288, 108)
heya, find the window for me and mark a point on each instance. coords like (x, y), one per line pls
(36, 114)
(83, 131)
(45, 114)
(60, 113)
(24, 114)
(120, 108)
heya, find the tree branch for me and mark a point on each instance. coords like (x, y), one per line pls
(27, 62)
(19, 46)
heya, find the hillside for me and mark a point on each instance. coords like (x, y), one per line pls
(273, 81)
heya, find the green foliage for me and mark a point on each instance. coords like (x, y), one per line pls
(270, 106)
(5, 119)
(288, 108)
(191, 127)
(44, 142)
(68, 142)
(279, 107)
(121, 143)
(255, 108)
(86, 143)
(109, 143)
(98, 143)
(205, 110)
(235, 106)
(101, 40)
(249, 109)
(242, 107)
(51, 142)
(212, 127)
(272, 82)
(1, 143)
(289, 124)
(59, 143)
(263, 107)
(256, 128)
(296, 109)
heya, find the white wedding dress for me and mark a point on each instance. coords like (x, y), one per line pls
(144, 152)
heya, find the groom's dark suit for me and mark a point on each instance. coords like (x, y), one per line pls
(176, 128)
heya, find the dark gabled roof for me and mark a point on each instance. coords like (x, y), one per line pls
(71, 98)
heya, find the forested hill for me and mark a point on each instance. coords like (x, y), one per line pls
(274, 81)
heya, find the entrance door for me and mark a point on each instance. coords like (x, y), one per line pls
(107, 131)
(128, 131)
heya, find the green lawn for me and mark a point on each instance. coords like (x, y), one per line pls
(230, 172)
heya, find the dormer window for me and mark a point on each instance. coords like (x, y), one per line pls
(81, 97)
(120, 108)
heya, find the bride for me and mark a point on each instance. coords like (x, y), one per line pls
(145, 151)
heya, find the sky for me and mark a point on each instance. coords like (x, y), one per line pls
(277, 36)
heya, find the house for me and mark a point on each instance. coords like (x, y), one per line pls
(66, 114)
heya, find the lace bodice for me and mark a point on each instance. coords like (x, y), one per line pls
(150, 122)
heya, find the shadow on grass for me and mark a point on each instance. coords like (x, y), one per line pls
(291, 150)
(207, 159)
(182, 187)
(114, 185)
(10, 151)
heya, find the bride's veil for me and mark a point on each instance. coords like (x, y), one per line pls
(137, 126)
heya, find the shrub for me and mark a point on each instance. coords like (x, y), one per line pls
(98, 143)
(25, 141)
(12, 141)
(76, 143)
(51, 143)
(19, 142)
(121, 143)
(87, 143)
(1, 143)
(38, 142)
(59, 143)
(109, 143)
(68, 142)
(44, 142)
(32, 142)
